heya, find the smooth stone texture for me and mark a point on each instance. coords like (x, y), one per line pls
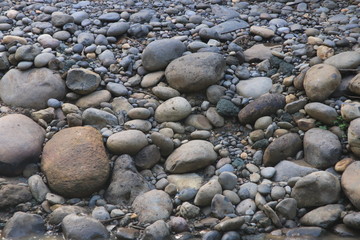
(83, 228)
(287, 208)
(262, 31)
(126, 183)
(349, 180)
(263, 106)
(82, 81)
(186, 180)
(158, 54)
(352, 220)
(93, 99)
(98, 118)
(321, 112)
(13, 195)
(322, 148)
(21, 143)
(165, 93)
(127, 142)
(324, 184)
(31, 88)
(259, 52)
(147, 157)
(206, 193)
(117, 89)
(344, 60)
(151, 79)
(354, 84)
(214, 93)
(159, 230)
(324, 217)
(195, 72)
(56, 216)
(288, 169)
(245, 206)
(173, 110)
(320, 81)
(281, 148)
(221, 206)
(153, 206)
(43, 59)
(354, 136)
(254, 87)
(117, 29)
(22, 225)
(191, 156)
(231, 224)
(75, 162)
(38, 188)
(198, 121)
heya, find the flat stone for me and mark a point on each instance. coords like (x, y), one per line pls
(13, 195)
(173, 109)
(254, 87)
(127, 142)
(93, 99)
(321, 112)
(22, 225)
(82, 81)
(344, 60)
(289, 169)
(324, 217)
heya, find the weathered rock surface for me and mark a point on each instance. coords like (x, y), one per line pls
(12, 195)
(127, 142)
(349, 180)
(22, 225)
(173, 109)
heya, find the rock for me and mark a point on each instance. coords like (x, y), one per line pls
(254, 87)
(59, 19)
(263, 106)
(352, 220)
(31, 88)
(21, 143)
(324, 184)
(178, 224)
(195, 72)
(341, 165)
(151, 79)
(4, 62)
(214, 117)
(126, 183)
(47, 41)
(118, 28)
(322, 148)
(288, 145)
(198, 121)
(344, 60)
(127, 142)
(191, 156)
(159, 230)
(22, 225)
(38, 188)
(100, 213)
(187, 180)
(43, 59)
(227, 108)
(75, 162)
(59, 213)
(153, 206)
(206, 193)
(287, 208)
(165, 93)
(231, 224)
(158, 54)
(324, 52)
(82, 81)
(147, 157)
(117, 89)
(245, 207)
(98, 118)
(288, 169)
(321, 112)
(221, 206)
(163, 142)
(228, 180)
(214, 93)
(86, 38)
(262, 31)
(259, 52)
(187, 210)
(27, 53)
(353, 136)
(83, 228)
(324, 217)
(110, 17)
(354, 84)
(94, 99)
(306, 232)
(139, 113)
(12, 195)
(349, 177)
(173, 110)
(320, 81)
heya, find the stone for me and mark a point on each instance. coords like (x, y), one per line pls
(164, 143)
(100, 213)
(349, 178)
(31, 88)
(324, 52)
(289, 169)
(21, 141)
(263, 106)
(38, 188)
(82, 81)
(75, 162)
(231, 224)
(259, 52)
(59, 19)
(221, 206)
(214, 93)
(198, 121)
(195, 72)
(98, 118)
(246, 206)
(117, 29)
(321, 112)
(152, 206)
(287, 208)
(178, 224)
(4, 62)
(159, 230)
(352, 220)
(43, 59)
(139, 113)
(254, 87)
(59, 213)
(186, 180)
(345, 60)
(94, 99)
(27, 53)
(341, 165)
(24, 225)
(188, 210)
(110, 17)
(151, 79)
(288, 145)
(47, 41)
(320, 81)
(324, 217)
(214, 117)
(324, 184)
(206, 193)
(117, 89)
(147, 157)
(158, 54)
(126, 183)
(172, 110)
(322, 148)
(227, 180)
(191, 156)
(262, 31)
(353, 136)
(227, 108)
(350, 110)
(12, 195)
(86, 38)
(127, 142)
(83, 228)
(165, 93)
(354, 84)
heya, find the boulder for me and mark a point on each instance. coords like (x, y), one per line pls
(75, 162)
(31, 88)
(21, 143)
(195, 72)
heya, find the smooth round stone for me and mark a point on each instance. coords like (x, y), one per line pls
(264, 188)
(268, 172)
(207, 192)
(62, 35)
(246, 206)
(248, 190)
(128, 142)
(139, 113)
(43, 59)
(117, 89)
(255, 177)
(172, 110)
(165, 93)
(187, 194)
(138, 124)
(227, 180)
(109, 17)
(52, 102)
(254, 87)
(277, 193)
(263, 122)
(225, 168)
(117, 29)
(232, 196)
(151, 79)
(100, 213)
(200, 134)
(24, 65)
(79, 16)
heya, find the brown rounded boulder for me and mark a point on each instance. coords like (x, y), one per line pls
(75, 162)
(350, 183)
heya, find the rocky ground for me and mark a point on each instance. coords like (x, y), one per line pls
(214, 120)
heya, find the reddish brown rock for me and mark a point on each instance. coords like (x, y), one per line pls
(75, 162)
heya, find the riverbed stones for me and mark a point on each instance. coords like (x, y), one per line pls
(345, 60)
(289, 169)
(75, 163)
(263, 106)
(320, 81)
(12, 195)
(353, 136)
(191, 156)
(352, 220)
(172, 110)
(324, 216)
(98, 118)
(82, 81)
(59, 213)
(254, 87)
(322, 148)
(321, 112)
(354, 84)
(127, 142)
(195, 72)
(21, 141)
(152, 206)
(324, 184)
(207, 192)
(22, 225)
(281, 148)
(31, 88)
(158, 54)
(349, 178)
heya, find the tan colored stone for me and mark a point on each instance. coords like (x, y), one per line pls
(350, 183)
(341, 165)
(127, 142)
(354, 85)
(324, 52)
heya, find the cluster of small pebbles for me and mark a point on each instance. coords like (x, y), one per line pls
(157, 120)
